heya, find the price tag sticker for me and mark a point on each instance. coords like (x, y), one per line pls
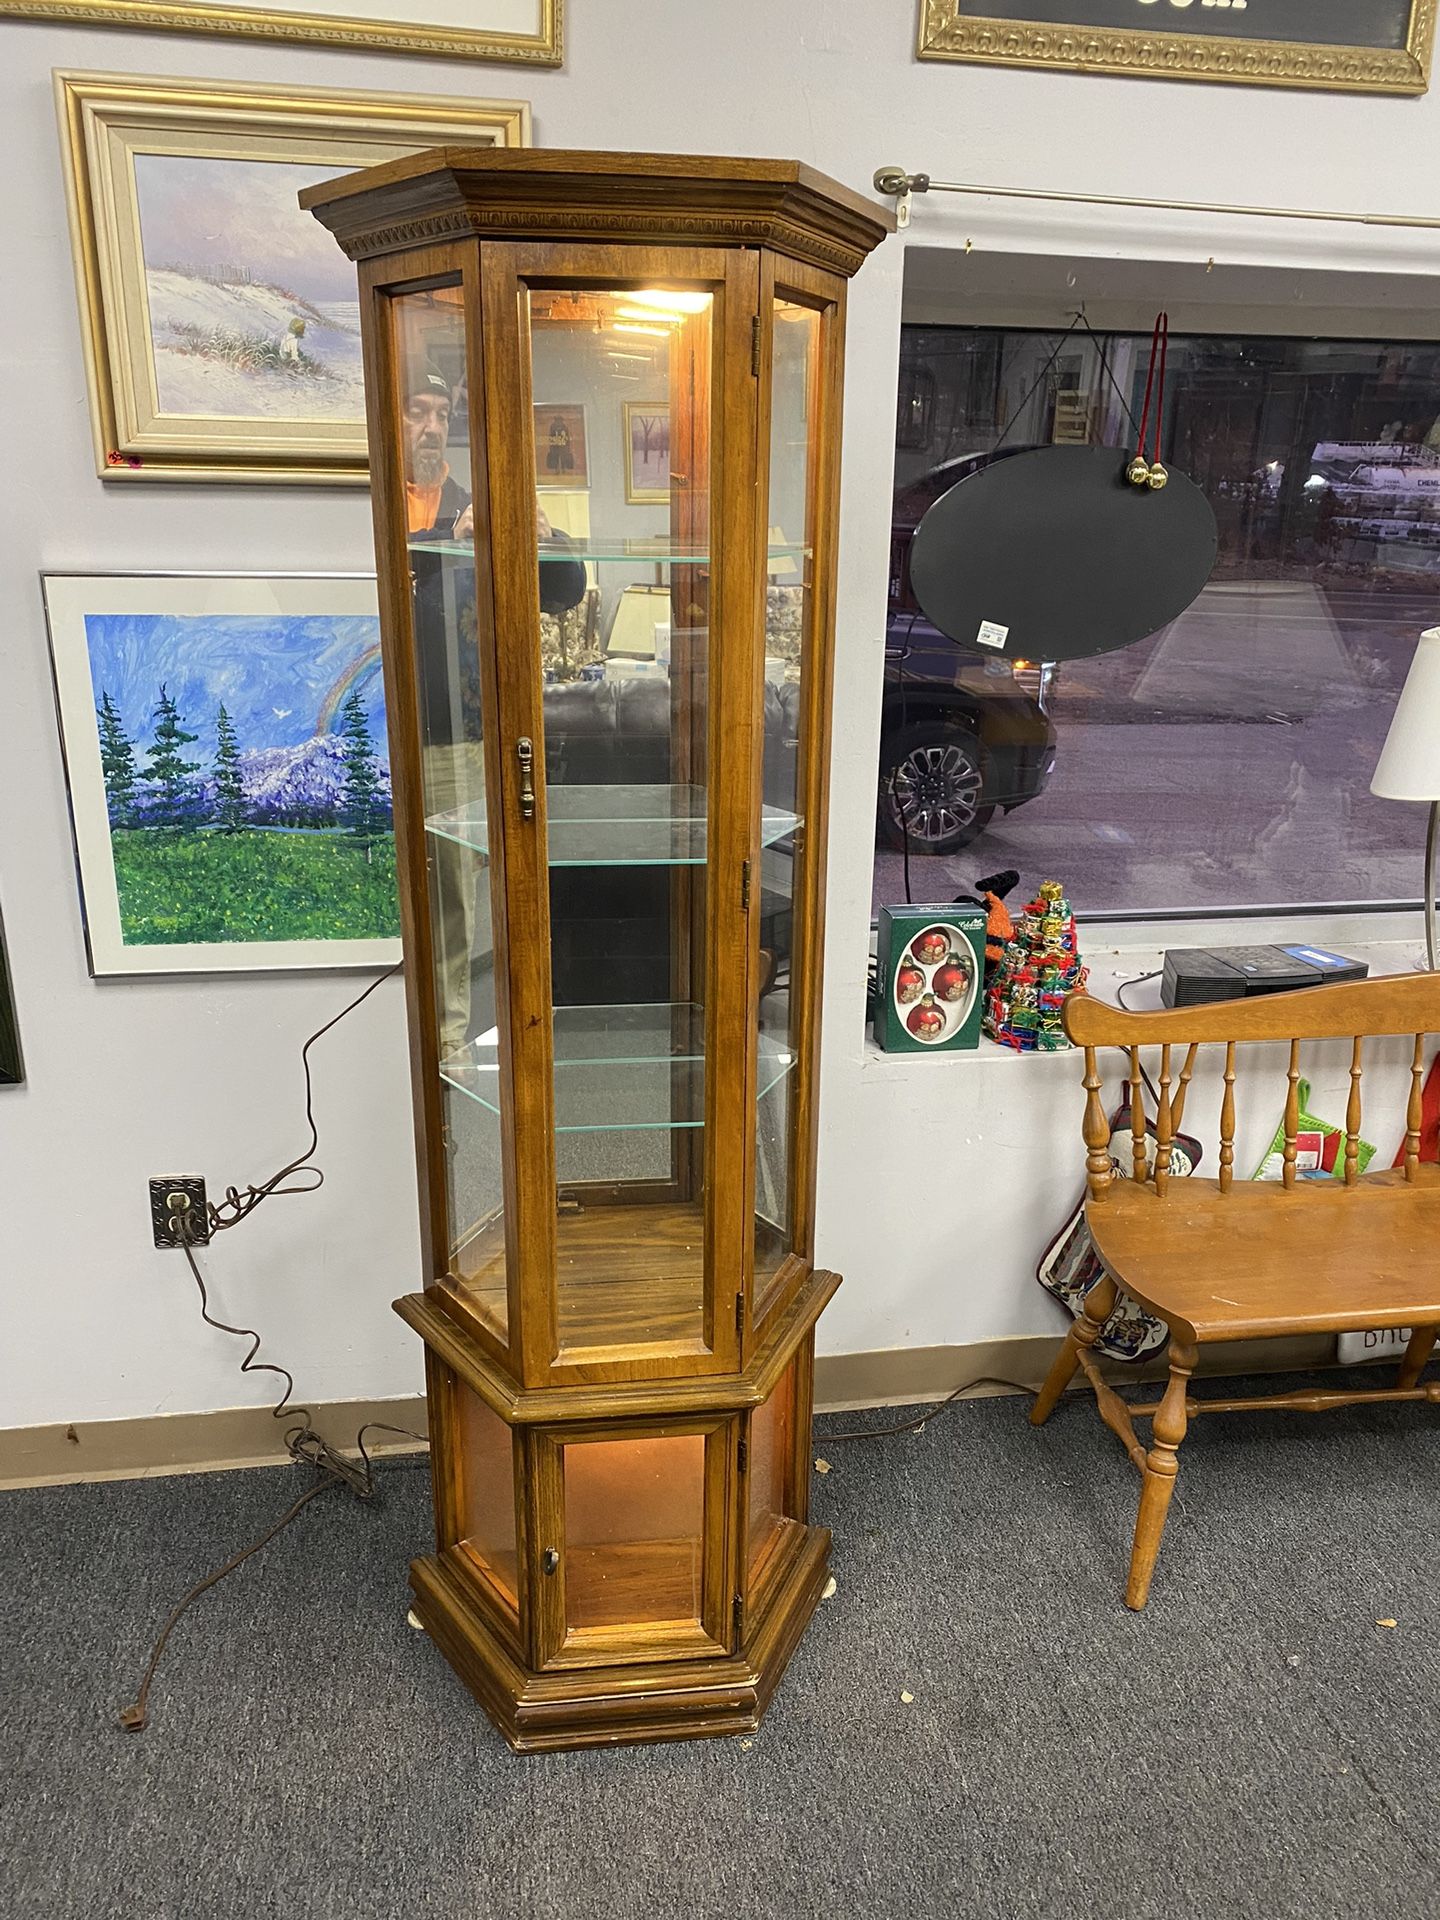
(991, 634)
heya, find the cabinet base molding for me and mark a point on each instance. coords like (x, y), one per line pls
(620, 1705)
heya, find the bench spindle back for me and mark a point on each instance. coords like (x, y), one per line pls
(1357, 1010)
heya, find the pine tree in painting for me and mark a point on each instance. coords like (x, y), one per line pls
(117, 763)
(230, 809)
(362, 797)
(175, 797)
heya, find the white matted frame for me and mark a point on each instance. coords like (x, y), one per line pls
(529, 31)
(206, 598)
(113, 124)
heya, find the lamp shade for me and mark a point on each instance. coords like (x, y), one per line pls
(1409, 764)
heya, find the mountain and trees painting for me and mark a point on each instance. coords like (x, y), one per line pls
(246, 777)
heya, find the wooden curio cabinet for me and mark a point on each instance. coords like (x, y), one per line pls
(604, 403)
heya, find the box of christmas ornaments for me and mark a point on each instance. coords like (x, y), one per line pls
(931, 978)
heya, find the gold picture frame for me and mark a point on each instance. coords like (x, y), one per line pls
(544, 46)
(195, 329)
(951, 30)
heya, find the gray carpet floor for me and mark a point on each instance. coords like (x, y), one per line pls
(1253, 1745)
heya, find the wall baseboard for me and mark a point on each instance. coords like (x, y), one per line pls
(910, 1376)
(160, 1444)
(231, 1437)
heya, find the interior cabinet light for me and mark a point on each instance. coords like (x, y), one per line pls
(648, 314)
(663, 301)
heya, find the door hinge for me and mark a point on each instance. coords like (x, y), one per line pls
(739, 1313)
(745, 887)
(755, 345)
(742, 1456)
(737, 1614)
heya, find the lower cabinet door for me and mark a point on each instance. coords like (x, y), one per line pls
(635, 1541)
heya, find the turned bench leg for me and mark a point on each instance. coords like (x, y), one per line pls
(1099, 1305)
(1161, 1467)
(1422, 1342)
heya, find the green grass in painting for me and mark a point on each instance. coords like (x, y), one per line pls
(215, 887)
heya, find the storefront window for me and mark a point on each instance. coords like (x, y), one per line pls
(1225, 761)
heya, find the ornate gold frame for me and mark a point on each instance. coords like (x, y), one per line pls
(546, 48)
(105, 119)
(948, 31)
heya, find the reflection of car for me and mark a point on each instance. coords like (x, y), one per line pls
(959, 735)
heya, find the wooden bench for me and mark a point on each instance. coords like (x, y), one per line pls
(1229, 1260)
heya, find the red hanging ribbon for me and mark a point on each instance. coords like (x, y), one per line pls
(1159, 350)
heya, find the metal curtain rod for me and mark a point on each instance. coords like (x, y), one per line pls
(894, 180)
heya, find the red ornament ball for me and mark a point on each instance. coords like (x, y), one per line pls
(952, 981)
(931, 947)
(909, 982)
(927, 1021)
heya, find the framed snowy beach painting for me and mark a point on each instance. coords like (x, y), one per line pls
(228, 769)
(222, 324)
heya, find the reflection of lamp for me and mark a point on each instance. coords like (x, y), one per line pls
(1409, 765)
(782, 562)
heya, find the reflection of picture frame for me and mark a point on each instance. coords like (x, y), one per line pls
(1383, 47)
(562, 452)
(12, 1070)
(227, 764)
(647, 451)
(221, 323)
(531, 31)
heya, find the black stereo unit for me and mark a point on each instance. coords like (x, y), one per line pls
(1196, 974)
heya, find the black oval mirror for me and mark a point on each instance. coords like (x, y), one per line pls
(1053, 555)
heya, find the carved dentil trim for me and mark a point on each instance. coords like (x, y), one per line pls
(554, 223)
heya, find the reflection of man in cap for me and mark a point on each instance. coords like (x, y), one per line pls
(437, 506)
(434, 501)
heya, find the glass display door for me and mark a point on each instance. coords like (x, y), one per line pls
(642, 634)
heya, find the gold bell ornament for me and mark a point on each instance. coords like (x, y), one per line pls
(1141, 471)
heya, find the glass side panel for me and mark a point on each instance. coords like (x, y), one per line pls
(487, 1491)
(634, 1530)
(432, 432)
(621, 383)
(796, 332)
(771, 1518)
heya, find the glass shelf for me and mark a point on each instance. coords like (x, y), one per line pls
(655, 552)
(618, 1068)
(645, 826)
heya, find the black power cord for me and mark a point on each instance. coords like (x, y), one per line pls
(942, 1406)
(238, 1206)
(302, 1442)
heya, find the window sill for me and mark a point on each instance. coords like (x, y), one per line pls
(1112, 968)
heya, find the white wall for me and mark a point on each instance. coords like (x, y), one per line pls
(130, 1079)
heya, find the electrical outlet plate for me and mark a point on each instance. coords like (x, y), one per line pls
(196, 1215)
